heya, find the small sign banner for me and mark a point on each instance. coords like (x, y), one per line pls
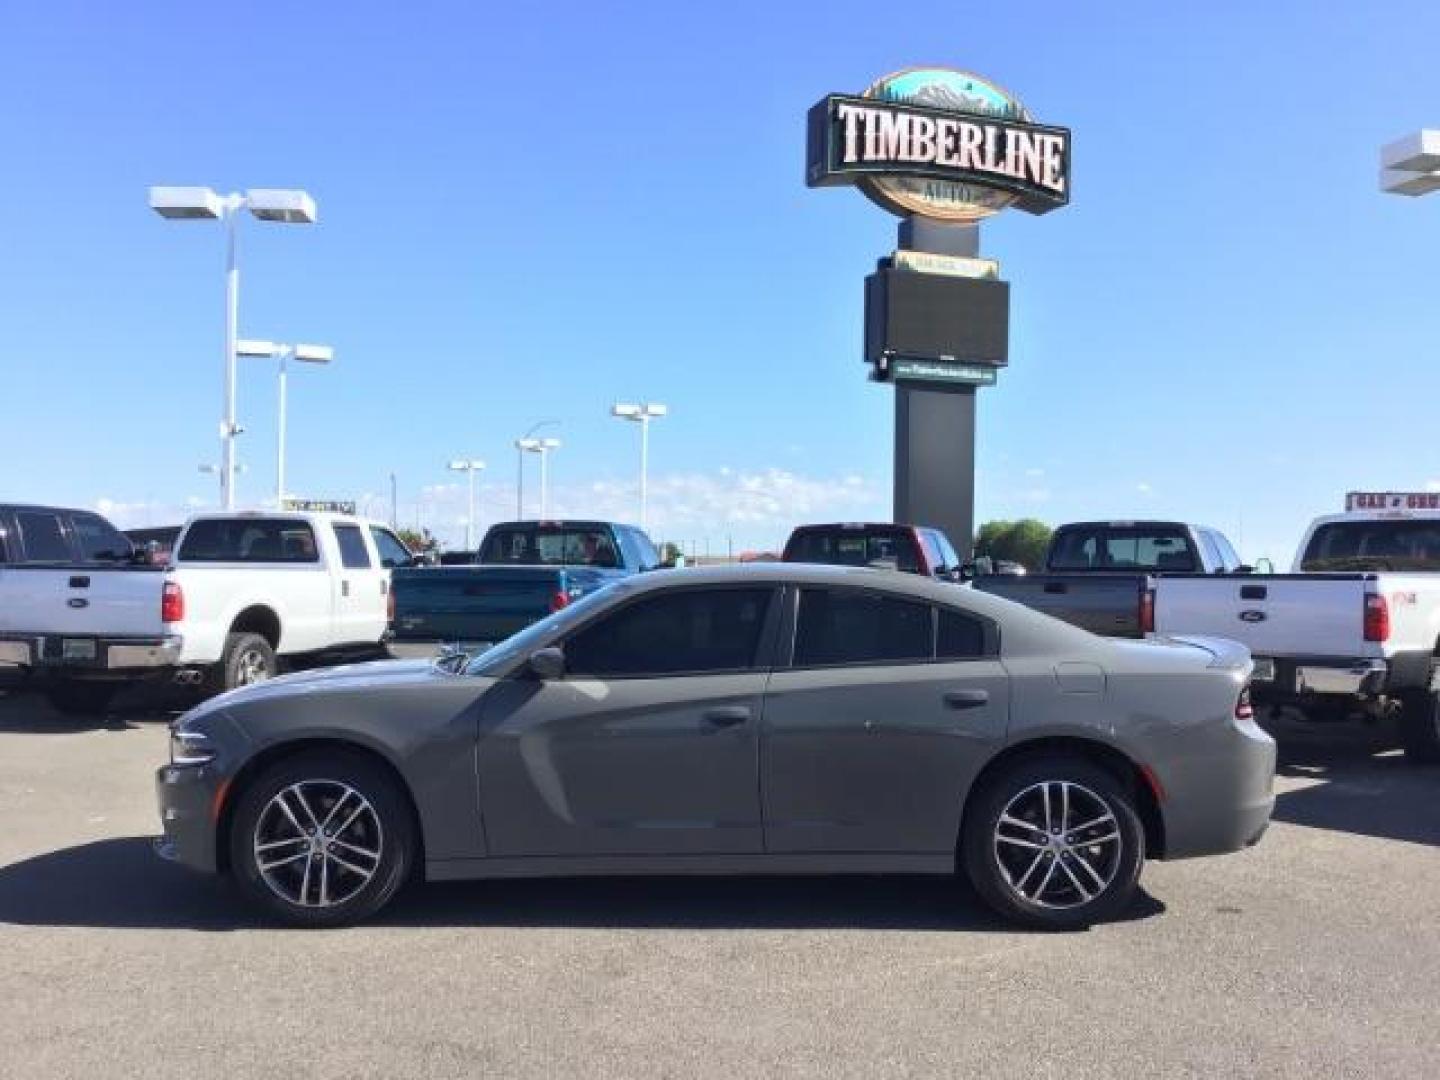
(937, 372)
(321, 506)
(923, 262)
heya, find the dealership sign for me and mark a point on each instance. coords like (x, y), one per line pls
(941, 144)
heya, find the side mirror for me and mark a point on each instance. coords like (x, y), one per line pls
(547, 664)
(967, 572)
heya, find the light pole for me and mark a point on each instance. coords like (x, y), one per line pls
(543, 448)
(642, 415)
(1411, 166)
(305, 354)
(290, 206)
(471, 466)
(520, 465)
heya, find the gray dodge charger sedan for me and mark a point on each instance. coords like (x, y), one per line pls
(768, 719)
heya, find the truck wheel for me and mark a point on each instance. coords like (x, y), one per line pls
(322, 839)
(75, 698)
(1054, 843)
(1420, 725)
(248, 658)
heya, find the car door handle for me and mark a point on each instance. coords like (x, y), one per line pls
(966, 699)
(727, 716)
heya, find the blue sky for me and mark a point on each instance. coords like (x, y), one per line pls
(529, 211)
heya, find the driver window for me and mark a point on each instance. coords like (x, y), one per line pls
(693, 632)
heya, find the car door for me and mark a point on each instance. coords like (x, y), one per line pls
(358, 588)
(648, 744)
(875, 728)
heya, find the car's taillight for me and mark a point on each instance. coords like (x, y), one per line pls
(172, 602)
(390, 605)
(1377, 618)
(1244, 710)
(560, 600)
(1147, 611)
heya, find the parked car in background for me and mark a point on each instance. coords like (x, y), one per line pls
(524, 571)
(911, 549)
(1100, 575)
(1355, 626)
(772, 718)
(242, 592)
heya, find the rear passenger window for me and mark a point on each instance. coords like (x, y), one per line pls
(41, 538)
(959, 637)
(353, 553)
(838, 626)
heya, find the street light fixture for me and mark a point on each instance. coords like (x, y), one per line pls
(543, 448)
(305, 354)
(642, 415)
(1411, 166)
(290, 206)
(520, 466)
(470, 466)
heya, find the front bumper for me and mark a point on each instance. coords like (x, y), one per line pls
(189, 798)
(77, 654)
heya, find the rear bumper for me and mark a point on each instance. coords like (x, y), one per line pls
(79, 654)
(1219, 791)
(1303, 677)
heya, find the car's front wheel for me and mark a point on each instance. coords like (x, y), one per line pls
(1054, 843)
(322, 839)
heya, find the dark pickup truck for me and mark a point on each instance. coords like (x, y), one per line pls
(1099, 575)
(525, 571)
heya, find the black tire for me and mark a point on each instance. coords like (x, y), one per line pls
(248, 658)
(1420, 726)
(1058, 903)
(74, 697)
(316, 773)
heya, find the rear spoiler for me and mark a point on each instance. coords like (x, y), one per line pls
(1225, 654)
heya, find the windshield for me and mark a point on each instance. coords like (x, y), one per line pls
(499, 657)
(550, 545)
(1374, 545)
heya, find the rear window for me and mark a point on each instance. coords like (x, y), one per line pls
(1117, 547)
(40, 537)
(1374, 545)
(98, 540)
(268, 540)
(551, 545)
(891, 547)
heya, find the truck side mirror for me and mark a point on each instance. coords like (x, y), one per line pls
(547, 664)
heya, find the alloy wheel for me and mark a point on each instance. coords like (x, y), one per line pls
(318, 843)
(251, 667)
(1058, 844)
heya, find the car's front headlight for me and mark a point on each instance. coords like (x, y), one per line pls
(190, 747)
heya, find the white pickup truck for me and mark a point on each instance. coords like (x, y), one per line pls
(1356, 626)
(241, 592)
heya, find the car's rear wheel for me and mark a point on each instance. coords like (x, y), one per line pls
(75, 697)
(1420, 725)
(1054, 843)
(322, 839)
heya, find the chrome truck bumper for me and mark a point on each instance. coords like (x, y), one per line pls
(1352, 678)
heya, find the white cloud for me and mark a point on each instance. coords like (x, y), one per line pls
(1432, 485)
(1143, 488)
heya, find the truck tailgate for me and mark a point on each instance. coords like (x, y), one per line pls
(81, 600)
(471, 603)
(1107, 604)
(1275, 615)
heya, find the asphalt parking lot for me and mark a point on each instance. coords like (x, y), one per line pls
(1315, 954)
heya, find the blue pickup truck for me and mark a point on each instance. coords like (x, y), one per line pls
(525, 571)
